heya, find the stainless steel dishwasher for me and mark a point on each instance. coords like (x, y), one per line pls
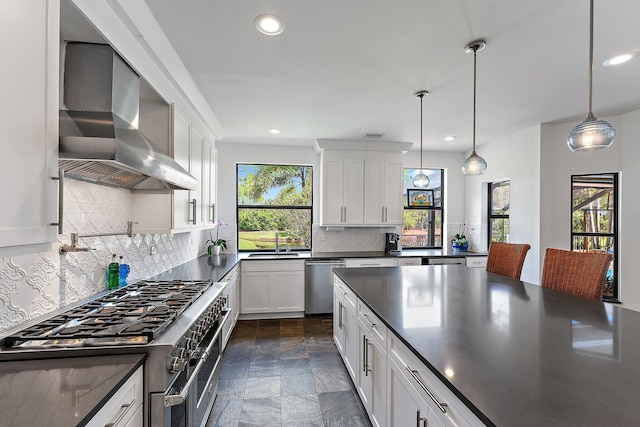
(318, 295)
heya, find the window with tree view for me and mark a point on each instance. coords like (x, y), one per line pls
(422, 218)
(594, 226)
(499, 211)
(274, 202)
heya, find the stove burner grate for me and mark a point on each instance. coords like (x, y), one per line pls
(136, 314)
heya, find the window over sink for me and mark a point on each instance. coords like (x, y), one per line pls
(274, 206)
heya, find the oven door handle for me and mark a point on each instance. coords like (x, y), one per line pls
(178, 399)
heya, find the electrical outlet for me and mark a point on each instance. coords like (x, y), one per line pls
(152, 250)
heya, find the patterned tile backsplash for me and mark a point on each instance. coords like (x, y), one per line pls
(36, 284)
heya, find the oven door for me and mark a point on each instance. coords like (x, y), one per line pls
(189, 400)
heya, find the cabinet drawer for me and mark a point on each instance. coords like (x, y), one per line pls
(350, 298)
(276, 265)
(373, 324)
(449, 410)
(371, 262)
(409, 261)
(123, 405)
(477, 261)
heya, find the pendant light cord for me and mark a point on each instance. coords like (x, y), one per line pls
(590, 57)
(421, 97)
(475, 51)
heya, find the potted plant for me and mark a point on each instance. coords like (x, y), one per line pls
(459, 241)
(214, 247)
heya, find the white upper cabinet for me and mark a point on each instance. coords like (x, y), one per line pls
(361, 187)
(29, 42)
(178, 211)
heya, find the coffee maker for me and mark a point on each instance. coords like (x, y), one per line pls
(391, 242)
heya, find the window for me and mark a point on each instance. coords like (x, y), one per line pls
(274, 200)
(422, 218)
(499, 211)
(594, 225)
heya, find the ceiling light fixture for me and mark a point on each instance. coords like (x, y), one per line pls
(421, 180)
(591, 134)
(270, 25)
(619, 59)
(274, 131)
(474, 164)
(449, 138)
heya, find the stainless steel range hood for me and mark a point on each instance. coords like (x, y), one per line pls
(99, 137)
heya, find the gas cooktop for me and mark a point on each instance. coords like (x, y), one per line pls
(134, 314)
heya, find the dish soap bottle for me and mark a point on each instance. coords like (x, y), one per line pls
(124, 272)
(113, 274)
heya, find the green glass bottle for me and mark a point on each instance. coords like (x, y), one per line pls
(113, 273)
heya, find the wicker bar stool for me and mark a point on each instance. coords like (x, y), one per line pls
(506, 259)
(577, 273)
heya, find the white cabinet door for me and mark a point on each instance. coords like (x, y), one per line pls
(374, 201)
(338, 318)
(29, 42)
(181, 153)
(332, 192)
(124, 406)
(208, 183)
(372, 377)
(255, 292)
(406, 408)
(196, 170)
(383, 189)
(288, 291)
(342, 190)
(353, 191)
(393, 196)
(347, 321)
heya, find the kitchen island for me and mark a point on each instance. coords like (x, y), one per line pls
(512, 352)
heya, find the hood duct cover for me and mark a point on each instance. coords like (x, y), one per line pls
(99, 139)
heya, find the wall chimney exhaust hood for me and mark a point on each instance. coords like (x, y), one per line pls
(99, 137)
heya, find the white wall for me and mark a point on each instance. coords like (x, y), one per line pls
(517, 158)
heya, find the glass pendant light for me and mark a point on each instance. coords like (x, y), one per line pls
(474, 165)
(591, 134)
(421, 180)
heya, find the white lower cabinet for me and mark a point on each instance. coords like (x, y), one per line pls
(125, 406)
(232, 292)
(476, 261)
(372, 374)
(272, 286)
(406, 408)
(346, 326)
(445, 408)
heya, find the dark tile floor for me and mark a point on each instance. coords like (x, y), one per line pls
(285, 372)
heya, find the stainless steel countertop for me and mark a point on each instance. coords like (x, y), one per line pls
(61, 392)
(521, 354)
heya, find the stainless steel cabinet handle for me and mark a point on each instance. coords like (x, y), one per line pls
(60, 179)
(364, 354)
(194, 202)
(414, 374)
(340, 324)
(367, 369)
(212, 212)
(124, 409)
(373, 325)
(424, 420)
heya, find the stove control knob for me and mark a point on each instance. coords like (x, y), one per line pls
(177, 365)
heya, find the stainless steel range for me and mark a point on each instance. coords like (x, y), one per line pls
(177, 324)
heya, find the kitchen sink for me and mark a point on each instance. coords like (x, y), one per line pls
(274, 255)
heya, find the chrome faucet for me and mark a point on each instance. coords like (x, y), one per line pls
(277, 245)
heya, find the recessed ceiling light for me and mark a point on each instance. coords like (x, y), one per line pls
(449, 138)
(619, 59)
(274, 131)
(270, 25)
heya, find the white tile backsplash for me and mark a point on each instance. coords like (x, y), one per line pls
(35, 284)
(349, 239)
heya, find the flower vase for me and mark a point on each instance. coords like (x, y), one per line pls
(457, 246)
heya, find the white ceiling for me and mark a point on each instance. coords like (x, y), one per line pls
(343, 68)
